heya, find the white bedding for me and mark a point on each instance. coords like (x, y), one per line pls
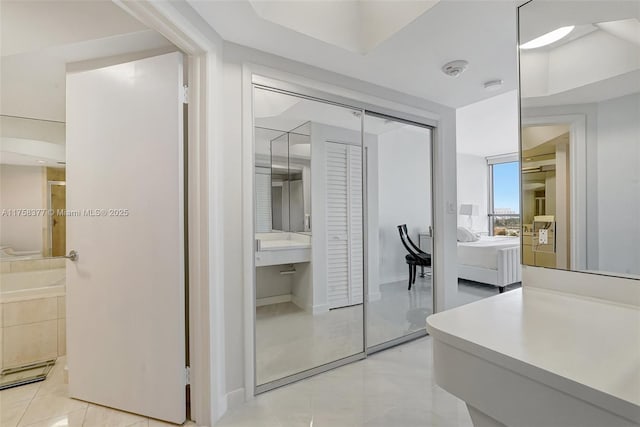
(483, 253)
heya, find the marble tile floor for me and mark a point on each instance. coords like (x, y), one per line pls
(290, 340)
(399, 311)
(393, 388)
(469, 291)
(47, 404)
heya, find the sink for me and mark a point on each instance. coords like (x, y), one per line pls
(282, 248)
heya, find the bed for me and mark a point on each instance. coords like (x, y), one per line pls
(494, 260)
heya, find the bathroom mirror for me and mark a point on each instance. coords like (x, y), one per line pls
(32, 188)
(580, 135)
(309, 279)
(283, 179)
(280, 188)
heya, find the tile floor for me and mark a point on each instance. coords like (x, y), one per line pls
(469, 291)
(393, 388)
(290, 340)
(47, 404)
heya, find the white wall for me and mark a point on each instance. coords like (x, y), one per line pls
(619, 184)
(22, 187)
(404, 195)
(489, 127)
(473, 189)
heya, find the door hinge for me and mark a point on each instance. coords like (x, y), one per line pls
(187, 374)
(185, 94)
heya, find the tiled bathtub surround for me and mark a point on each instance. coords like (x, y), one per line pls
(31, 329)
(31, 265)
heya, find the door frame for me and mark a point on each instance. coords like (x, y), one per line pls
(278, 81)
(434, 252)
(578, 207)
(179, 24)
(50, 184)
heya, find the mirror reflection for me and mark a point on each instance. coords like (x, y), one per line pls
(32, 184)
(400, 241)
(580, 137)
(309, 279)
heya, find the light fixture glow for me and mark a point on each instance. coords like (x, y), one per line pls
(493, 84)
(550, 37)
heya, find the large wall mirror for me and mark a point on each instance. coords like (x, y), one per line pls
(340, 196)
(580, 136)
(32, 177)
(309, 253)
(32, 244)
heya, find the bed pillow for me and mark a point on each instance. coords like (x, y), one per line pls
(466, 235)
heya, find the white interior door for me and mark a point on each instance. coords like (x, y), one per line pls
(125, 292)
(344, 225)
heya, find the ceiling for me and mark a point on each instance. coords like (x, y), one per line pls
(598, 60)
(408, 60)
(39, 39)
(276, 114)
(358, 26)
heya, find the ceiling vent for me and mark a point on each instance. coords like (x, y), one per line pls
(455, 68)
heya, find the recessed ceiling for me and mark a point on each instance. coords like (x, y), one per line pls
(358, 26)
(29, 26)
(598, 60)
(408, 60)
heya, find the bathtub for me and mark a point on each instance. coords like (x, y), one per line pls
(34, 316)
(36, 284)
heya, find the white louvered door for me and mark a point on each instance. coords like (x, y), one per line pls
(354, 187)
(344, 225)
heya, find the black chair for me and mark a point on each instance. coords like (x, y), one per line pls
(415, 257)
(415, 248)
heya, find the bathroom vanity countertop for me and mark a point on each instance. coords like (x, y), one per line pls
(585, 347)
(279, 245)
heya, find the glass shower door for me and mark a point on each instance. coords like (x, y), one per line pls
(399, 230)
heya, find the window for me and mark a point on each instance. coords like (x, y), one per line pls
(504, 197)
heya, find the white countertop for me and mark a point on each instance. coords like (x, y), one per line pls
(280, 245)
(586, 347)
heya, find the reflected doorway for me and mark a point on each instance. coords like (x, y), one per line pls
(399, 235)
(57, 203)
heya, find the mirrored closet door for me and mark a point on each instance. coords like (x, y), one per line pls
(309, 253)
(399, 230)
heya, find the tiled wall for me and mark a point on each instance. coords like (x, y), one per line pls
(32, 330)
(31, 265)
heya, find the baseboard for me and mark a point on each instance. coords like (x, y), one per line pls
(297, 301)
(320, 308)
(402, 278)
(273, 300)
(375, 296)
(235, 398)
